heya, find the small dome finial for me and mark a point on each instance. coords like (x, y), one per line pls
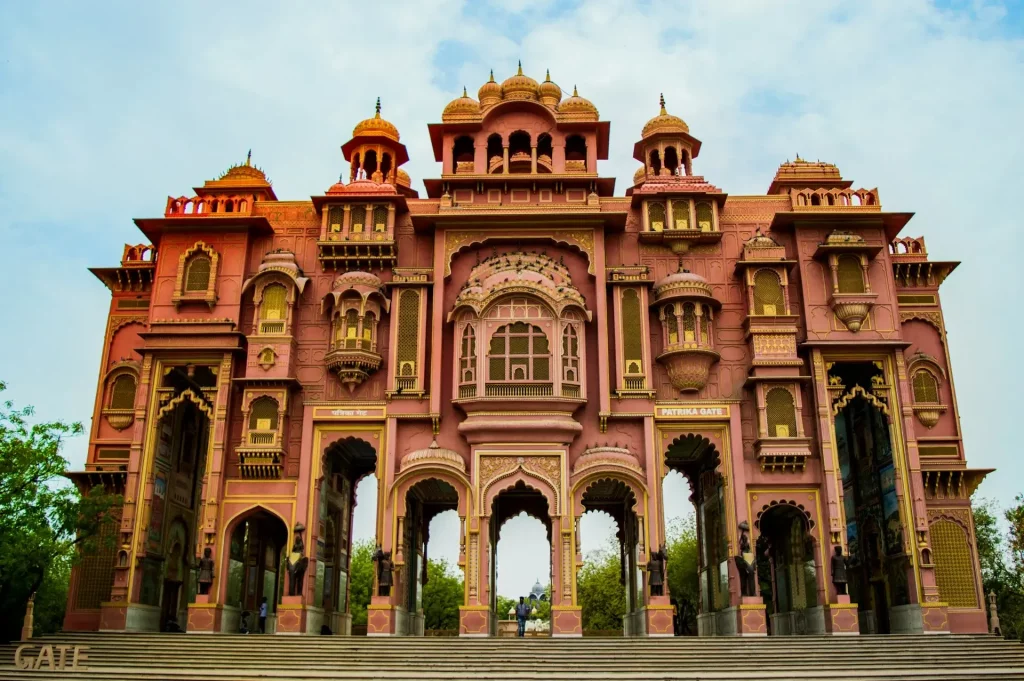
(492, 77)
(464, 93)
(248, 158)
(378, 108)
(574, 93)
(547, 76)
(661, 100)
(520, 68)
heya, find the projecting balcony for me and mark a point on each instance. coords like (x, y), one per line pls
(688, 365)
(529, 409)
(353, 359)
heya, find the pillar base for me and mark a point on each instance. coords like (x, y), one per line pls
(204, 617)
(341, 623)
(380, 619)
(294, 617)
(752, 617)
(659, 619)
(841, 617)
(566, 621)
(935, 618)
(121, 616)
(475, 620)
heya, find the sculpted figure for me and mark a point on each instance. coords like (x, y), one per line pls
(206, 571)
(656, 571)
(297, 562)
(745, 563)
(839, 571)
(384, 571)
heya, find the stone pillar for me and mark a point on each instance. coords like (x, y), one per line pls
(504, 160)
(533, 160)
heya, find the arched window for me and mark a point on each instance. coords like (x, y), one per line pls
(408, 332)
(462, 152)
(467, 361)
(926, 387)
(369, 331)
(656, 216)
(576, 151)
(495, 149)
(370, 163)
(705, 325)
(519, 352)
(335, 218)
(705, 217)
(273, 309)
(655, 163)
(671, 325)
(689, 324)
(954, 567)
(544, 152)
(671, 161)
(632, 333)
(849, 275)
(380, 218)
(385, 165)
(781, 413)
(351, 329)
(358, 218)
(768, 297)
(680, 214)
(197, 273)
(571, 355)
(122, 392)
(263, 414)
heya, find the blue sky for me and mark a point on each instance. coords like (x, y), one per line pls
(109, 107)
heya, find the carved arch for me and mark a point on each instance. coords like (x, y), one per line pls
(775, 503)
(210, 295)
(191, 396)
(456, 241)
(856, 390)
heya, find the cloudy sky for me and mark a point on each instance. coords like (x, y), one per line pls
(108, 107)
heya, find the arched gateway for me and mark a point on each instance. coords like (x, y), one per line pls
(520, 340)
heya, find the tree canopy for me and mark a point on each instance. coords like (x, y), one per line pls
(600, 591)
(683, 577)
(1002, 561)
(45, 523)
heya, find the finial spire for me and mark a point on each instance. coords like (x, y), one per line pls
(798, 159)
(492, 77)
(520, 68)
(378, 108)
(547, 76)
(464, 93)
(574, 93)
(661, 100)
(248, 158)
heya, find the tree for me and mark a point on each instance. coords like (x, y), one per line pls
(442, 596)
(1002, 563)
(600, 591)
(683, 577)
(45, 523)
(360, 580)
(504, 605)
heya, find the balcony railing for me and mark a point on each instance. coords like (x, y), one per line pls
(272, 327)
(405, 382)
(634, 383)
(468, 390)
(354, 344)
(262, 438)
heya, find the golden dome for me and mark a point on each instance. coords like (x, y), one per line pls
(578, 108)
(550, 93)
(639, 175)
(490, 92)
(245, 172)
(664, 122)
(520, 86)
(402, 178)
(460, 109)
(376, 126)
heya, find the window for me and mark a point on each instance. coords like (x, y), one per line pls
(122, 393)
(571, 355)
(768, 298)
(335, 218)
(408, 332)
(781, 413)
(849, 275)
(705, 325)
(671, 325)
(632, 333)
(705, 217)
(263, 414)
(351, 330)
(689, 324)
(926, 387)
(369, 331)
(467, 361)
(358, 217)
(954, 567)
(273, 309)
(656, 217)
(380, 219)
(519, 352)
(197, 274)
(681, 214)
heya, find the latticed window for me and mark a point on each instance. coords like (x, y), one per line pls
(768, 296)
(519, 352)
(369, 330)
(926, 387)
(380, 219)
(689, 323)
(351, 329)
(408, 332)
(671, 325)
(954, 566)
(571, 355)
(705, 217)
(705, 325)
(781, 413)
(122, 393)
(335, 218)
(467, 361)
(96, 567)
(273, 308)
(263, 414)
(632, 332)
(358, 218)
(656, 216)
(681, 214)
(849, 275)
(197, 273)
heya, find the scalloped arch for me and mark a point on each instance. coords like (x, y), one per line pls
(456, 241)
(854, 392)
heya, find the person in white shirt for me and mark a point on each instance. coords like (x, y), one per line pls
(263, 616)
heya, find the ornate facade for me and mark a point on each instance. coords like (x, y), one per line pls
(522, 339)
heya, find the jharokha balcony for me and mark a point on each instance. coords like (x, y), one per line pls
(686, 311)
(353, 359)
(355, 305)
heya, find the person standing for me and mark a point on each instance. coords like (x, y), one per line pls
(522, 612)
(263, 616)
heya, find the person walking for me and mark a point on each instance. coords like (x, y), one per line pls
(522, 612)
(263, 616)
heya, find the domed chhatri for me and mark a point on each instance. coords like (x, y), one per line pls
(520, 86)
(550, 93)
(578, 108)
(683, 284)
(664, 122)
(463, 109)
(490, 92)
(376, 126)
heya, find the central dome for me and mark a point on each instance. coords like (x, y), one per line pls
(578, 108)
(520, 86)
(376, 126)
(665, 122)
(461, 109)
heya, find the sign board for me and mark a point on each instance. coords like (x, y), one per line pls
(703, 412)
(50, 657)
(347, 413)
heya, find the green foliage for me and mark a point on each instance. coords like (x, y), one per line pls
(52, 597)
(683, 577)
(442, 596)
(504, 605)
(44, 521)
(360, 580)
(1002, 562)
(599, 589)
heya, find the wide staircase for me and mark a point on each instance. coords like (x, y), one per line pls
(130, 657)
